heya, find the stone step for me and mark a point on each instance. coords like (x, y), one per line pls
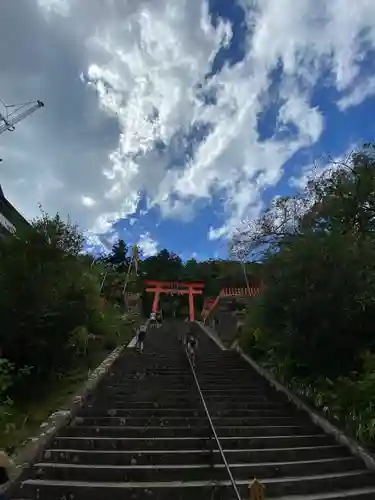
(191, 472)
(156, 392)
(138, 374)
(357, 493)
(189, 389)
(230, 377)
(185, 384)
(179, 362)
(191, 456)
(171, 372)
(182, 412)
(157, 431)
(213, 404)
(185, 388)
(193, 395)
(184, 404)
(185, 443)
(203, 367)
(199, 490)
(180, 421)
(152, 394)
(234, 373)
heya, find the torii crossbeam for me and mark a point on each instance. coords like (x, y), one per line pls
(174, 287)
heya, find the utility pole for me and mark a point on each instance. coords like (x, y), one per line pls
(103, 280)
(245, 275)
(241, 255)
(127, 276)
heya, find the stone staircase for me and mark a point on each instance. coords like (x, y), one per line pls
(144, 435)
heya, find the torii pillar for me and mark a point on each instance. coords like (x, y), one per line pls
(155, 302)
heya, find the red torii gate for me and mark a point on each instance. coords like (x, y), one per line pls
(174, 287)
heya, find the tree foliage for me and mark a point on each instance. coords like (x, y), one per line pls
(118, 257)
(163, 266)
(49, 296)
(315, 318)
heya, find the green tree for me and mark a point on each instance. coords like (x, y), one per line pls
(59, 234)
(118, 256)
(164, 266)
(318, 250)
(47, 291)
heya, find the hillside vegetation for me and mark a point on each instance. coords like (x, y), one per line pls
(62, 311)
(314, 324)
(54, 323)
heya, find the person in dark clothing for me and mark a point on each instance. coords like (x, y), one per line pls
(159, 319)
(5, 466)
(4, 481)
(141, 337)
(191, 342)
(183, 332)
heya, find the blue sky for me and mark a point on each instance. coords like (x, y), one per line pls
(168, 124)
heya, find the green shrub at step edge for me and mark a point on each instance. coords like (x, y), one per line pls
(6, 382)
(9, 377)
(348, 401)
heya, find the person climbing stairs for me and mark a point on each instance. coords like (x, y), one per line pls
(144, 434)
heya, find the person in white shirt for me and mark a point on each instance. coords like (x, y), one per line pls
(141, 337)
(153, 320)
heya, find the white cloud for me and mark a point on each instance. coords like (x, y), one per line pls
(147, 245)
(99, 243)
(60, 7)
(318, 168)
(136, 67)
(358, 94)
(308, 120)
(87, 201)
(215, 234)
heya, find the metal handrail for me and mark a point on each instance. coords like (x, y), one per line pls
(212, 427)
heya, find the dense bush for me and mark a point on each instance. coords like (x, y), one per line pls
(313, 325)
(51, 309)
